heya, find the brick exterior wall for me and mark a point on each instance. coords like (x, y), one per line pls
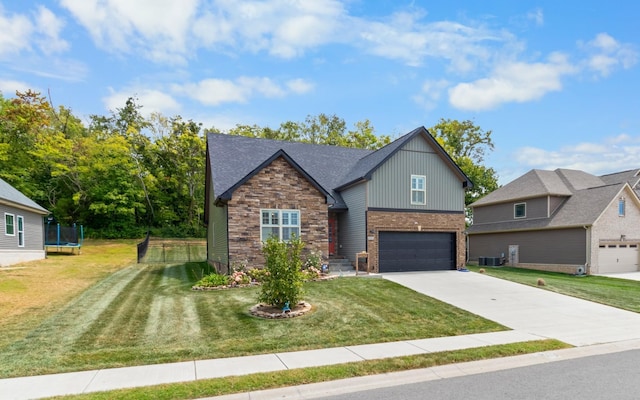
(413, 222)
(277, 186)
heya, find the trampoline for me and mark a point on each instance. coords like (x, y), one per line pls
(59, 238)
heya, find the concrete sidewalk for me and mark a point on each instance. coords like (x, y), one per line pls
(118, 378)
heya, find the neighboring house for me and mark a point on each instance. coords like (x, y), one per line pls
(403, 204)
(563, 220)
(21, 227)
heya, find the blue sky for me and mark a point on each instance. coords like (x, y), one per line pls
(557, 82)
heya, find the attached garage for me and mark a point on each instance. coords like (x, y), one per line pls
(620, 257)
(416, 251)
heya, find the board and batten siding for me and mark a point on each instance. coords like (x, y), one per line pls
(33, 229)
(352, 235)
(554, 246)
(390, 185)
(218, 249)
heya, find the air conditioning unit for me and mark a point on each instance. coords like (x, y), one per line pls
(494, 261)
(581, 270)
(482, 260)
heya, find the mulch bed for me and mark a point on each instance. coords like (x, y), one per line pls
(271, 312)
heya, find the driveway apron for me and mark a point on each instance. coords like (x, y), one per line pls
(525, 308)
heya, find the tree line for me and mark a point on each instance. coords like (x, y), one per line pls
(123, 174)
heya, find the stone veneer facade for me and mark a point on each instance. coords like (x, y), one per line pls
(414, 222)
(277, 186)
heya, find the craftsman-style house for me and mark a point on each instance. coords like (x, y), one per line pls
(402, 204)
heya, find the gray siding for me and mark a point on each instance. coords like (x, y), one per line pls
(352, 235)
(33, 230)
(554, 203)
(217, 246)
(390, 185)
(536, 208)
(560, 246)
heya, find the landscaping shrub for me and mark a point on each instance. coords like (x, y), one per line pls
(213, 280)
(283, 281)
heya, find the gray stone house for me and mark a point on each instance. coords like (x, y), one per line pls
(563, 220)
(21, 227)
(403, 204)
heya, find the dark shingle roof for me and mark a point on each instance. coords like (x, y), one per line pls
(234, 159)
(13, 197)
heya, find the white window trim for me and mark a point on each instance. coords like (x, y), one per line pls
(280, 225)
(622, 202)
(19, 231)
(5, 224)
(423, 190)
(525, 210)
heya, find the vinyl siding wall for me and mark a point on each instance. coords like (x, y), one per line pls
(390, 185)
(218, 249)
(352, 235)
(33, 229)
(535, 208)
(560, 246)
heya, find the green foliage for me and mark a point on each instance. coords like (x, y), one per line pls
(319, 129)
(214, 280)
(283, 282)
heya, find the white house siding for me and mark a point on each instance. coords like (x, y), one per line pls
(352, 224)
(613, 229)
(390, 186)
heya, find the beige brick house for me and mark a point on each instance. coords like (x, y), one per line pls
(402, 204)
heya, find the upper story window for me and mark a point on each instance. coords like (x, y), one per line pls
(621, 207)
(418, 190)
(9, 225)
(520, 210)
(282, 224)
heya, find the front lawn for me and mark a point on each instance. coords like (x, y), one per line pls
(146, 314)
(620, 293)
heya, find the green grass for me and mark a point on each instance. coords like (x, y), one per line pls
(620, 293)
(271, 380)
(147, 314)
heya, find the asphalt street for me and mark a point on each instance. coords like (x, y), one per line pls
(610, 376)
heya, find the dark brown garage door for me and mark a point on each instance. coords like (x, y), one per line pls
(416, 251)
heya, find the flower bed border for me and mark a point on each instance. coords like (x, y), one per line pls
(259, 311)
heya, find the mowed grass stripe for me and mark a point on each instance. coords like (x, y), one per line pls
(58, 335)
(122, 324)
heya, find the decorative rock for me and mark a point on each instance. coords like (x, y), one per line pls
(271, 312)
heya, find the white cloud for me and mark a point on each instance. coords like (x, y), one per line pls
(151, 100)
(9, 87)
(214, 92)
(607, 54)
(406, 38)
(512, 82)
(158, 28)
(15, 33)
(537, 16)
(50, 26)
(431, 93)
(300, 86)
(20, 31)
(613, 154)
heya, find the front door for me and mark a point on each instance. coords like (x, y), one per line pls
(333, 233)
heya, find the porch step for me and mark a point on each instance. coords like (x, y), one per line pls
(340, 264)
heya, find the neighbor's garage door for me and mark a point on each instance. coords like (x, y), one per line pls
(416, 251)
(614, 258)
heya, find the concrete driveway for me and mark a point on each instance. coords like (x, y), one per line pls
(524, 308)
(633, 276)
